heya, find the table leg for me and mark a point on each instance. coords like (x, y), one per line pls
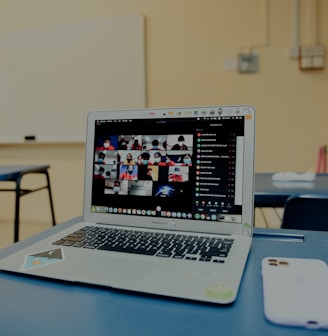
(50, 199)
(17, 205)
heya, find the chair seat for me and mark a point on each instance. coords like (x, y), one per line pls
(306, 212)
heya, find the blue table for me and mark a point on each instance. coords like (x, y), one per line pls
(31, 306)
(270, 193)
(15, 174)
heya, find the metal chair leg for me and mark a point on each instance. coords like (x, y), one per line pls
(50, 199)
(17, 205)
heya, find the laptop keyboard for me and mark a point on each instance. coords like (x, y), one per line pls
(164, 245)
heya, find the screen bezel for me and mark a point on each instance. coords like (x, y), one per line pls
(244, 228)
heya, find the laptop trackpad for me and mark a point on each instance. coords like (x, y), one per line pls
(116, 271)
(156, 276)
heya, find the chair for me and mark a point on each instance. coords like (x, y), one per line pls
(15, 174)
(306, 212)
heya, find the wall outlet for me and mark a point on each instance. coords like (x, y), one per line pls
(312, 57)
(248, 63)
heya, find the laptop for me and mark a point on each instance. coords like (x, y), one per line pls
(168, 205)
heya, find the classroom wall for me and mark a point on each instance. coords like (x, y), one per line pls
(189, 43)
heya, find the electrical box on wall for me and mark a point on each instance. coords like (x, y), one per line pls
(311, 57)
(248, 63)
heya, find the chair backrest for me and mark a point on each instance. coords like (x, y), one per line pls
(306, 212)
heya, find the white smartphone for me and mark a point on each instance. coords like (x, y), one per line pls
(295, 291)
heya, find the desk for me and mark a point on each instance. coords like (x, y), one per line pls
(30, 306)
(270, 193)
(15, 174)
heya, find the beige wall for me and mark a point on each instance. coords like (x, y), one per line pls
(187, 43)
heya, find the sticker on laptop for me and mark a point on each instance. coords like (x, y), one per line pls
(220, 291)
(43, 258)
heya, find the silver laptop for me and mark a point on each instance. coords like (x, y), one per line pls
(168, 205)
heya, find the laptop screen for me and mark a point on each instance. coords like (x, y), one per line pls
(184, 166)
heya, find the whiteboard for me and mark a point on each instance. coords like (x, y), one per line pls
(51, 77)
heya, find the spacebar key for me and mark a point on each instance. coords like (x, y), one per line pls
(140, 250)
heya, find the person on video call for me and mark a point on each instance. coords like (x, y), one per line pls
(145, 156)
(117, 187)
(181, 144)
(136, 145)
(100, 174)
(128, 173)
(129, 159)
(106, 145)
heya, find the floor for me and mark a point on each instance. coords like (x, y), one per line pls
(264, 217)
(268, 217)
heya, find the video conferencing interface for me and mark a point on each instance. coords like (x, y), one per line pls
(174, 168)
